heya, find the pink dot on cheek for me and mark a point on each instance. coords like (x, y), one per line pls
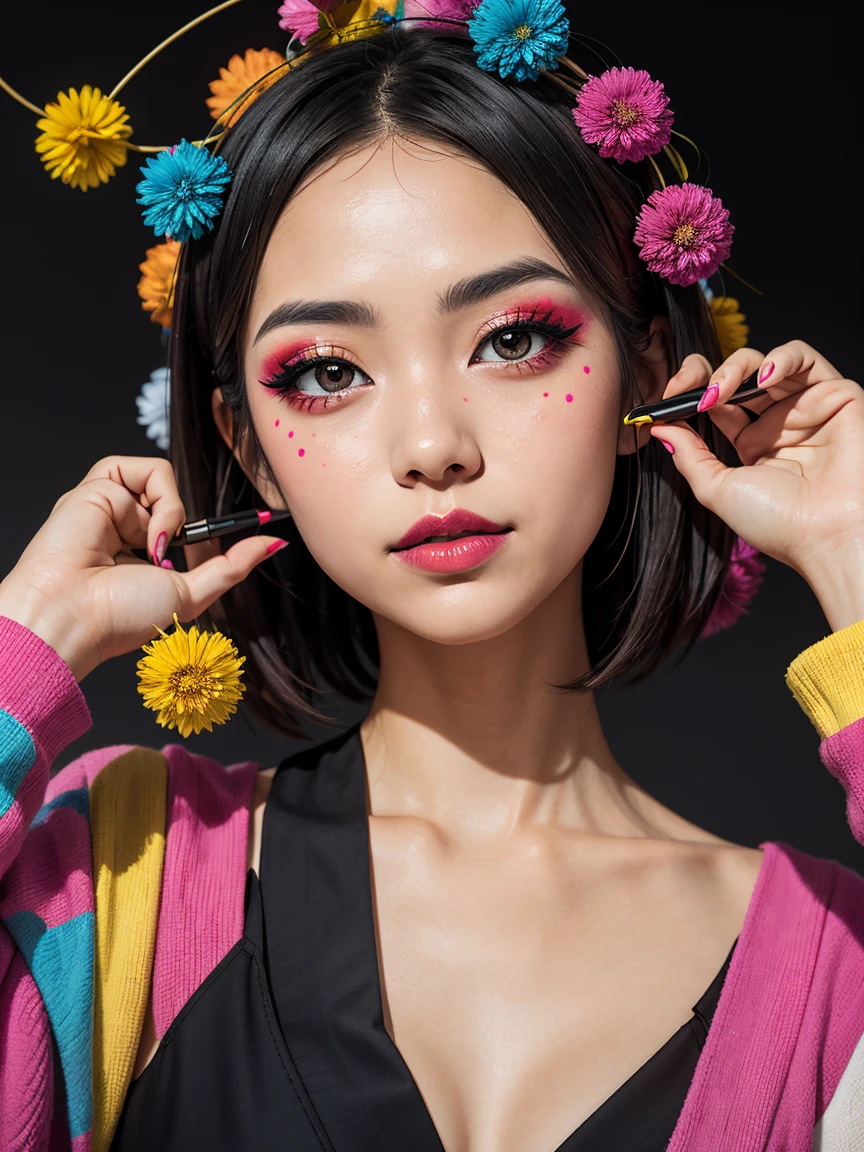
(545, 393)
(586, 369)
(290, 434)
(276, 425)
(569, 398)
(301, 451)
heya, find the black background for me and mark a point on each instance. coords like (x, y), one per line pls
(774, 101)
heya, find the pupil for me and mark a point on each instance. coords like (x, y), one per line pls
(332, 377)
(512, 345)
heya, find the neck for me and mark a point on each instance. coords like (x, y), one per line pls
(473, 737)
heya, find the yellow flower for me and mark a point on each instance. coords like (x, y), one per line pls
(352, 20)
(729, 324)
(156, 286)
(191, 679)
(240, 75)
(83, 137)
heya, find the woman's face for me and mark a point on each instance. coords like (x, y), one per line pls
(416, 347)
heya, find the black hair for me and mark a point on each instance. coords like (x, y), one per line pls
(656, 567)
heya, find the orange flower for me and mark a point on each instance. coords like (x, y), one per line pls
(240, 75)
(156, 286)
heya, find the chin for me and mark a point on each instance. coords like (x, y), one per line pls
(466, 613)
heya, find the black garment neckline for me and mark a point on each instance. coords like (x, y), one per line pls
(316, 884)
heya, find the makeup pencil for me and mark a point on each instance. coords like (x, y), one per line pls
(214, 526)
(686, 404)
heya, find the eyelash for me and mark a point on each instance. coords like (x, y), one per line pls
(285, 384)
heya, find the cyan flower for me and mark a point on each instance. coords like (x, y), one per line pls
(153, 407)
(519, 37)
(182, 191)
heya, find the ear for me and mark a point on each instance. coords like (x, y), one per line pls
(223, 418)
(654, 372)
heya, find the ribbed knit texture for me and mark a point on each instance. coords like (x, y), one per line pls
(827, 680)
(782, 1045)
(127, 814)
(205, 875)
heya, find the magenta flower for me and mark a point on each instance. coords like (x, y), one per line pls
(299, 17)
(742, 582)
(626, 113)
(685, 233)
(442, 9)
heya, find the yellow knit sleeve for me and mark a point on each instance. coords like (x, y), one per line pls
(827, 680)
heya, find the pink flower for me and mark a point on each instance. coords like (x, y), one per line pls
(740, 586)
(626, 113)
(685, 233)
(446, 9)
(299, 17)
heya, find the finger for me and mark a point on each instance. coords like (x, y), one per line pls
(694, 460)
(129, 520)
(693, 373)
(153, 481)
(802, 419)
(214, 577)
(792, 367)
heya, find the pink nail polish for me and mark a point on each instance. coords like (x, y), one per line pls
(161, 545)
(667, 446)
(276, 546)
(767, 370)
(167, 564)
(710, 398)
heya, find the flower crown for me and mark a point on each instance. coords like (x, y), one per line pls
(682, 230)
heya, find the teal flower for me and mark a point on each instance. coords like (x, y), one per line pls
(519, 37)
(182, 191)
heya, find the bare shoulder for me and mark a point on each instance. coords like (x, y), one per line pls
(260, 792)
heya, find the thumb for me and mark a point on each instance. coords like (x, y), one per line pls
(214, 577)
(694, 460)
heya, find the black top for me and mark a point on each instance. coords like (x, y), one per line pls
(284, 1046)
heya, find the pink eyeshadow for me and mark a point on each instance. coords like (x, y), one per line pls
(275, 362)
(565, 314)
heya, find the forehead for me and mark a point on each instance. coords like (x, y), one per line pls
(397, 211)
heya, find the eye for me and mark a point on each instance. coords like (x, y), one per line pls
(511, 344)
(320, 376)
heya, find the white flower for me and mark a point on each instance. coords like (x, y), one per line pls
(153, 406)
(706, 291)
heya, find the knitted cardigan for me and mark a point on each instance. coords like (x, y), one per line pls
(124, 876)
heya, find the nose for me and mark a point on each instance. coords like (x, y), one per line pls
(432, 442)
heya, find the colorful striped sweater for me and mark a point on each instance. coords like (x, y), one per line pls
(124, 877)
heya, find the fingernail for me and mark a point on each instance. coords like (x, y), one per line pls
(667, 446)
(276, 546)
(710, 398)
(767, 370)
(161, 545)
(167, 564)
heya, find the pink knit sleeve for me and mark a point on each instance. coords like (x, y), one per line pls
(41, 711)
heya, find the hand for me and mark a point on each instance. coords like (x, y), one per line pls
(799, 494)
(79, 587)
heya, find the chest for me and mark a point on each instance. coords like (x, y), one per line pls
(524, 987)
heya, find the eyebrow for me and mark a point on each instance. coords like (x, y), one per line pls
(463, 294)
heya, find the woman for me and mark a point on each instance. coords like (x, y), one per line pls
(418, 324)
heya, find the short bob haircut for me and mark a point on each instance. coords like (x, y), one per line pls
(657, 565)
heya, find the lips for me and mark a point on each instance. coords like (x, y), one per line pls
(456, 523)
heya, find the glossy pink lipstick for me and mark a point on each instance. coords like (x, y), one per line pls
(451, 543)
